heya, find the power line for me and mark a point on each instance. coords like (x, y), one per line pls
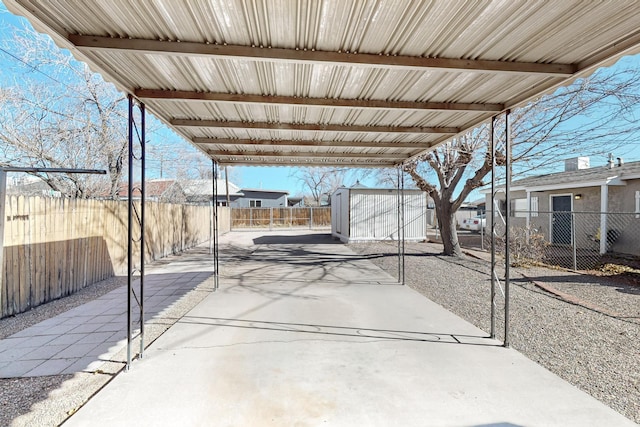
(37, 70)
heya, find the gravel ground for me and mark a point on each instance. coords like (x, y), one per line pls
(594, 350)
(48, 401)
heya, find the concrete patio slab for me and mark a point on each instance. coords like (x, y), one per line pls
(305, 332)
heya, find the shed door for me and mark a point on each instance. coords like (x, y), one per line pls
(561, 220)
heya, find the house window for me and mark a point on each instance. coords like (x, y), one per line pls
(519, 208)
(534, 206)
(255, 203)
(638, 204)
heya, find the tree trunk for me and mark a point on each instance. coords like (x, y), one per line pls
(448, 232)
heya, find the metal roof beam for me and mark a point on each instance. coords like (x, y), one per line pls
(324, 127)
(304, 163)
(311, 143)
(182, 95)
(89, 42)
(308, 155)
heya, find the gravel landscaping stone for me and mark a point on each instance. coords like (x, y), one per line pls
(595, 351)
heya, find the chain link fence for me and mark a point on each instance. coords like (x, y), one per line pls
(572, 240)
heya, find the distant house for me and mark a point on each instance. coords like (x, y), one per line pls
(295, 201)
(28, 185)
(260, 198)
(159, 190)
(201, 191)
(588, 201)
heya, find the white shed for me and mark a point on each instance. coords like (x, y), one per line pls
(366, 214)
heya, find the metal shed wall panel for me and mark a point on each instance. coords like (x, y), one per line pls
(373, 214)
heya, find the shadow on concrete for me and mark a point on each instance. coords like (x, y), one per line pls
(342, 331)
(305, 239)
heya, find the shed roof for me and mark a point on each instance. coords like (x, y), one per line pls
(332, 82)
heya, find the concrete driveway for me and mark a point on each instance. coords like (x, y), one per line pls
(303, 332)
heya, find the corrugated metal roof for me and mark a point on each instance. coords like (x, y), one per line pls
(293, 81)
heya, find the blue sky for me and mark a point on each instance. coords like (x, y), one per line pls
(282, 178)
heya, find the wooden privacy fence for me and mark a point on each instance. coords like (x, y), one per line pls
(309, 217)
(55, 247)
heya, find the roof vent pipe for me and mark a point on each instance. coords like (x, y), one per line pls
(620, 161)
(611, 164)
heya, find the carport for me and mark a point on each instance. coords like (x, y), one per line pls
(334, 83)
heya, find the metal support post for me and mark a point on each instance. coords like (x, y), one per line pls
(573, 241)
(216, 277)
(211, 225)
(130, 233)
(507, 233)
(131, 210)
(492, 147)
(402, 221)
(604, 209)
(398, 222)
(226, 183)
(142, 211)
(3, 218)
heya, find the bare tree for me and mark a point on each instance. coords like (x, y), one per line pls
(321, 181)
(590, 117)
(60, 114)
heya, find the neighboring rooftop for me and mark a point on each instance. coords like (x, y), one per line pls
(204, 187)
(152, 188)
(264, 190)
(581, 177)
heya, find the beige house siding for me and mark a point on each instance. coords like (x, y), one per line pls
(621, 219)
